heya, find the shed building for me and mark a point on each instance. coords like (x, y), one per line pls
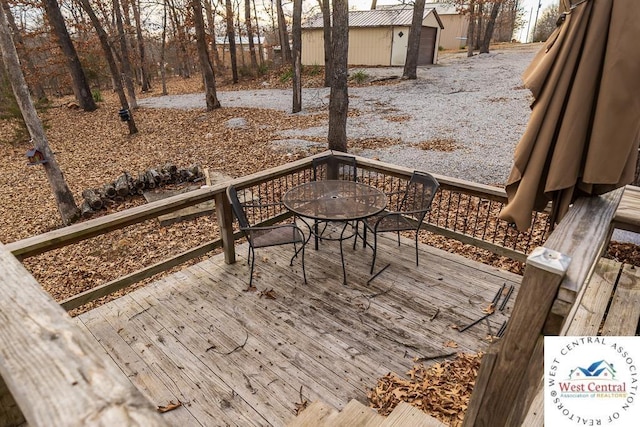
(454, 33)
(376, 38)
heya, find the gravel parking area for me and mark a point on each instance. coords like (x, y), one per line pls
(476, 108)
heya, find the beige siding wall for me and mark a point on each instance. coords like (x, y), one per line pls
(454, 34)
(367, 46)
(370, 46)
(313, 47)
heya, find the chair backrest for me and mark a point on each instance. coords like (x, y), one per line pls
(421, 189)
(335, 166)
(238, 210)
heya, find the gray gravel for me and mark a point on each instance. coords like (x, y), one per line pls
(478, 103)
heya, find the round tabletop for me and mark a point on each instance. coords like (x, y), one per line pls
(335, 200)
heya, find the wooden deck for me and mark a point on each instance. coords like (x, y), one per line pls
(241, 358)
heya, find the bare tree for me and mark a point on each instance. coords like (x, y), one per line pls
(297, 56)
(339, 96)
(163, 48)
(144, 74)
(125, 61)
(64, 198)
(36, 88)
(260, 48)
(211, 26)
(180, 37)
(113, 66)
(79, 81)
(488, 32)
(205, 60)
(231, 35)
(471, 28)
(247, 21)
(326, 29)
(285, 49)
(413, 44)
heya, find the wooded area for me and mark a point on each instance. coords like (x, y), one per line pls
(56, 48)
(62, 51)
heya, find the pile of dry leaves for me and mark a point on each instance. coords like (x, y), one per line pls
(442, 390)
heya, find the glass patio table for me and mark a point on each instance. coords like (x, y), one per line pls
(335, 201)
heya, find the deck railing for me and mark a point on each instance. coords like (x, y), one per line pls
(462, 210)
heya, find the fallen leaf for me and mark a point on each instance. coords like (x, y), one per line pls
(451, 344)
(268, 294)
(169, 407)
(489, 310)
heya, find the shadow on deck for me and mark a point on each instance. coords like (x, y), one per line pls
(234, 357)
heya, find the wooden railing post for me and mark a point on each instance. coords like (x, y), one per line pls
(55, 372)
(225, 223)
(543, 274)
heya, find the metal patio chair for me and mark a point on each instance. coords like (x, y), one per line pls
(333, 166)
(412, 208)
(265, 236)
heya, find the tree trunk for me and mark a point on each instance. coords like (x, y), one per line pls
(339, 97)
(232, 41)
(37, 89)
(413, 48)
(127, 72)
(471, 28)
(64, 198)
(218, 64)
(297, 56)
(326, 29)
(479, 24)
(488, 32)
(180, 37)
(205, 61)
(144, 74)
(252, 47)
(163, 48)
(113, 67)
(239, 33)
(285, 49)
(260, 48)
(79, 81)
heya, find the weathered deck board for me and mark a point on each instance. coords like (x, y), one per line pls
(235, 357)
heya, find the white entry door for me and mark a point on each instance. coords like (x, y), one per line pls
(399, 46)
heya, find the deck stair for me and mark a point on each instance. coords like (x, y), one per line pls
(355, 414)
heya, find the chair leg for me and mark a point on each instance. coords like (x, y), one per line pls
(315, 233)
(416, 248)
(375, 251)
(398, 238)
(355, 237)
(253, 261)
(304, 272)
(364, 236)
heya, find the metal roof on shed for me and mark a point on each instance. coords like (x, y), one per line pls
(376, 18)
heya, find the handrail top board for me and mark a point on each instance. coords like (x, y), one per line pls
(82, 385)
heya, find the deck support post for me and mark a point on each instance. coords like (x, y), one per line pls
(225, 224)
(493, 403)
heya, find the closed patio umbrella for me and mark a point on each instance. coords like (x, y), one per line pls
(582, 137)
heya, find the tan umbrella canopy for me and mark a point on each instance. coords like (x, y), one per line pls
(582, 137)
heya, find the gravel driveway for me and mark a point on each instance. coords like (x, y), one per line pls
(476, 104)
